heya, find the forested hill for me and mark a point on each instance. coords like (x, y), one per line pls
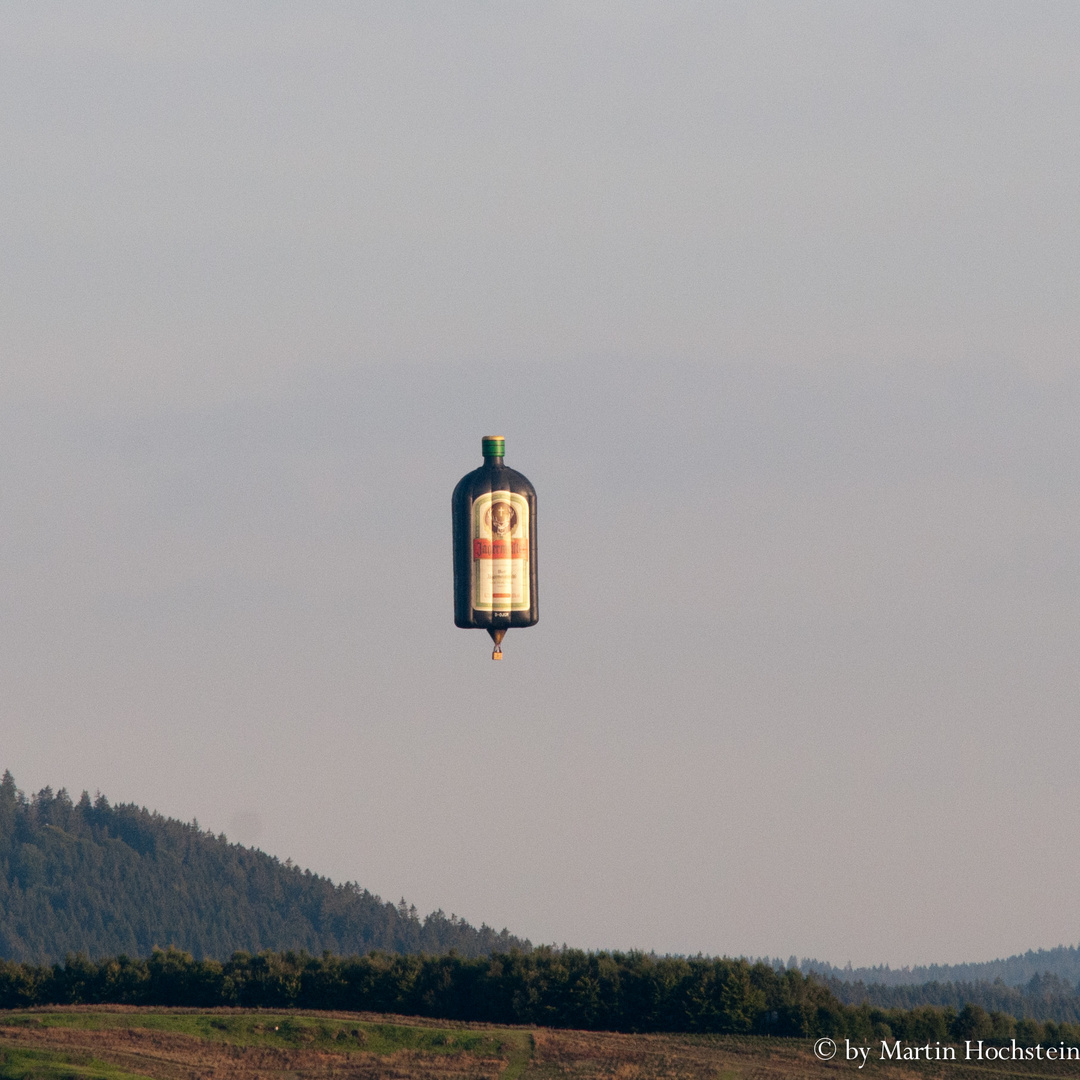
(1063, 962)
(106, 880)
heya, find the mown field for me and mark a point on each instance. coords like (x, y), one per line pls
(121, 1043)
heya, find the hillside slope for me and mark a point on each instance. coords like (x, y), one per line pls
(1062, 962)
(104, 880)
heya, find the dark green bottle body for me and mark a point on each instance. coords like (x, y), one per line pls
(494, 520)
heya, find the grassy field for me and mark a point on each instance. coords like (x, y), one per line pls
(117, 1043)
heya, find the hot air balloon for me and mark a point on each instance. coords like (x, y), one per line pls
(494, 511)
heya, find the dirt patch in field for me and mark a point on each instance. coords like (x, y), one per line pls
(580, 1055)
(170, 1056)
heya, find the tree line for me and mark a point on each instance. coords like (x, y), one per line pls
(1043, 997)
(1062, 961)
(631, 992)
(88, 877)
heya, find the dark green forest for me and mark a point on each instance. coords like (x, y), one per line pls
(87, 877)
(545, 986)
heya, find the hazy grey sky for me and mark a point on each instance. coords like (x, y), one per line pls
(777, 306)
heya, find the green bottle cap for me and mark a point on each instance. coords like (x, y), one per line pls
(493, 445)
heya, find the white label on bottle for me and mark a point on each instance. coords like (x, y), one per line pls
(500, 536)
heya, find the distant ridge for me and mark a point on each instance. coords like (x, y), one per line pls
(1041, 984)
(104, 880)
(1063, 962)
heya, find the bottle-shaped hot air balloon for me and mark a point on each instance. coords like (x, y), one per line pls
(494, 547)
